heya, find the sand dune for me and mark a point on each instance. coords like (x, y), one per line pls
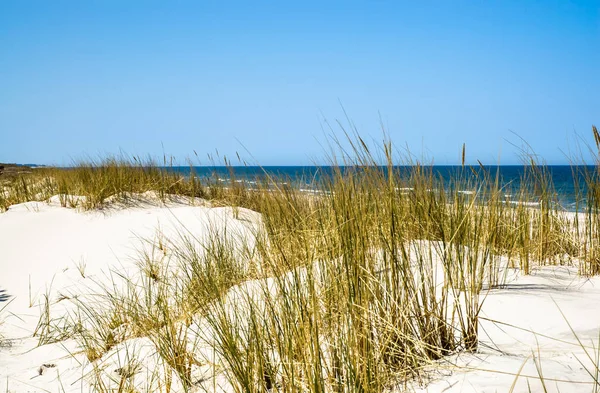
(50, 253)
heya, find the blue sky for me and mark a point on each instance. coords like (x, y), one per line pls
(87, 78)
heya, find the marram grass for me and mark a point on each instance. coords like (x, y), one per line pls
(354, 290)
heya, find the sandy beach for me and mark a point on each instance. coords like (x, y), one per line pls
(540, 324)
(50, 253)
(298, 197)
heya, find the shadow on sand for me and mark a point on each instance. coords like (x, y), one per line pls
(4, 296)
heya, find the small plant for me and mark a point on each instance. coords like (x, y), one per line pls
(3, 341)
(81, 265)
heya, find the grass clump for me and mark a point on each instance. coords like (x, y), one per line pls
(90, 184)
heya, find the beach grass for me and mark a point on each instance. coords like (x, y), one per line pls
(355, 287)
(89, 184)
(3, 305)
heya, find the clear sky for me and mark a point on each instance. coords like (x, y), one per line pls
(84, 78)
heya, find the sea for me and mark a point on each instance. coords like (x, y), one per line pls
(568, 182)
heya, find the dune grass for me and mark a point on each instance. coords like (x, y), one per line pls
(354, 288)
(3, 305)
(98, 181)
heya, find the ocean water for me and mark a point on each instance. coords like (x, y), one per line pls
(568, 181)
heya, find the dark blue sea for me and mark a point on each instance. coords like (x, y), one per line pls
(568, 182)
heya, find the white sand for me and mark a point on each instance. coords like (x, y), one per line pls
(533, 303)
(44, 248)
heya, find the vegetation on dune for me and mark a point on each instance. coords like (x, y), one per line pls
(12, 170)
(4, 301)
(354, 289)
(96, 182)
